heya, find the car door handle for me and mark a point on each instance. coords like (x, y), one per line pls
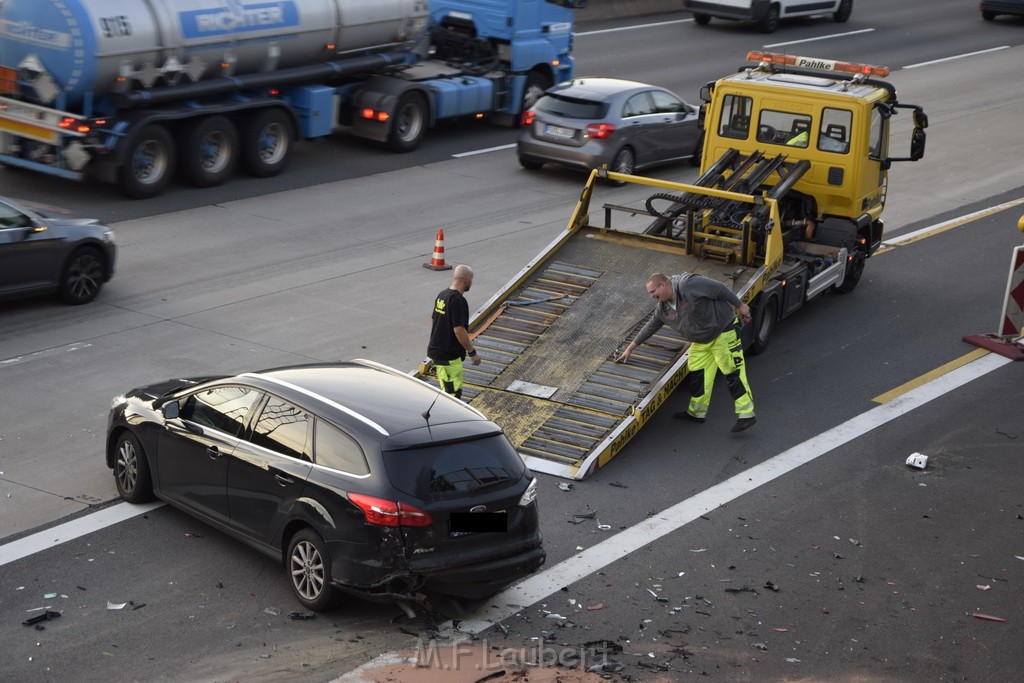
(283, 480)
(214, 452)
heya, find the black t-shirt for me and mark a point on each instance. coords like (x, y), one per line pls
(451, 310)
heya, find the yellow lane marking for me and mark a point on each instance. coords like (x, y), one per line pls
(931, 231)
(929, 376)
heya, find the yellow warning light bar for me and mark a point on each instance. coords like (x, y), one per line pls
(816, 63)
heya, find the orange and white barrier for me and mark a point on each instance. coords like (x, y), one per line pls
(1009, 341)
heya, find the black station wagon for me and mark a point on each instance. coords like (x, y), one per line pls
(357, 477)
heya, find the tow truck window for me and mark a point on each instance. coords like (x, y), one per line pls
(834, 134)
(734, 121)
(784, 128)
(877, 136)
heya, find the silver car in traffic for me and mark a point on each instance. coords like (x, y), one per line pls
(624, 125)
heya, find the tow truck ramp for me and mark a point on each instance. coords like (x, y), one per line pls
(548, 340)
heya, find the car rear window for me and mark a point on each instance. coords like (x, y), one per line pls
(571, 108)
(455, 470)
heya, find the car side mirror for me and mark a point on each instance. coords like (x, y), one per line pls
(171, 410)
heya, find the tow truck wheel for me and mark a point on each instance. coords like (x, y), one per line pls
(211, 147)
(854, 269)
(702, 19)
(771, 20)
(764, 323)
(842, 14)
(149, 163)
(266, 143)
(410, 123)
(309, 568)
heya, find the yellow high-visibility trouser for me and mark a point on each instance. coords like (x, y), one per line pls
(724, 353)
(449, 376)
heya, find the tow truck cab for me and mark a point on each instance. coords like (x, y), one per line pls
(835, 115)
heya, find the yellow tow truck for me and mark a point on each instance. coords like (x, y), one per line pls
(787, 206)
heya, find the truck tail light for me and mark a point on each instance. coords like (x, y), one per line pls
(529, 116)
(600, 131)
(375, 115)
(383, 512)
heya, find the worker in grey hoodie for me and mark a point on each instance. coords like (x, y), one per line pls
(704, 312)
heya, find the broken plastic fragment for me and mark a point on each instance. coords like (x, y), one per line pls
(49, 596)
(304, 616)
(272, 611)
(986, 617)
(982, 587)
(564, 486)
(792, 660)
(116, 605)
(598, 606)
(604, 527)
(698, 550)
(45, 616)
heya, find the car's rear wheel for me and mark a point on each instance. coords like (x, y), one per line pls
(82, 277)
(988, 15)
(309, 567)
(771, 20)
(842, 14)
(624, 162)
(131, 470)
(530, 164)
(702, 19)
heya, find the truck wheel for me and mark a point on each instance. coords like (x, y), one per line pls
(764, 323)
(82, 277)
(410, 123)
(211, 147)
(150, 163)
(266, 143)
(844, 11)
(771, 20)
(702, 19)
(536, 85)
(854, 269)
(988, 15)
(698, 151)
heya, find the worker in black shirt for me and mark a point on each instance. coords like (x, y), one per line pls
(449, 341)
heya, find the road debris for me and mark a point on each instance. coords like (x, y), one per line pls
(987, 617)
(917, 460)
(116, 605)
(48, 615)
(302, 616)
(564, 486)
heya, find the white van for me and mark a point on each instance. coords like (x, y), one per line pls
(766, 13)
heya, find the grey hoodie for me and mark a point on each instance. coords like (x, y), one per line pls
(704, 309)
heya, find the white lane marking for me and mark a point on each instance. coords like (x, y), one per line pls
(817, 38)
(484, 151)
(938, 227)
(47, 353)
(539, 586)
(630, 28)
(62, 533)
(966, 54)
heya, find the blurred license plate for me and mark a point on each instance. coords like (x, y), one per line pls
(477, 522)
(559, 131)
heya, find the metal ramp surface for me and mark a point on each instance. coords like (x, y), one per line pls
(547, 374)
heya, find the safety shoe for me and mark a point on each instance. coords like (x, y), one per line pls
(686, 415)
(744, 423)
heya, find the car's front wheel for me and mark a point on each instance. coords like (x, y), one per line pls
(842, 14)
(131, 470)
(309, 567)
(771, 20)
(702, 19)
(82, 277)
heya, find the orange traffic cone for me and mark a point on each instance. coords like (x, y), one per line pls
(437, 261)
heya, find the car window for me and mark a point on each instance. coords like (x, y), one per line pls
(638, 105)
(667, 103)
(223, 408)
(456, 470)
(335, 449)
(283, 428)
(570, 107)
(12, 218)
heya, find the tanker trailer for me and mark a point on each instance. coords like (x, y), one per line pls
(130, 91)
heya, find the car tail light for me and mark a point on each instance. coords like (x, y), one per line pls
(529, 495)
(389, 512)
(529, 116)
(600, 131)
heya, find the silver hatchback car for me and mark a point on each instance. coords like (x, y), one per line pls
(591, 122)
